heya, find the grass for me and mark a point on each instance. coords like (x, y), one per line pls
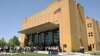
(34, 54)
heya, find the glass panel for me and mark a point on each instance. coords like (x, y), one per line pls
(36, 39)
(56, 37)
(49, 38)
(41, 39)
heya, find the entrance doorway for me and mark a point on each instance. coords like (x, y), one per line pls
(45, 39)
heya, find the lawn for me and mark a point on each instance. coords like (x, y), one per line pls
(34, 54)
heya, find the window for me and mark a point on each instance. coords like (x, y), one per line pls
(89, 25)
(41, 39)
(46, 38)
(56, 37)
(90, 34)
(36, 40)
(57, 11)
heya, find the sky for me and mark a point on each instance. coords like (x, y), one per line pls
(12, 12)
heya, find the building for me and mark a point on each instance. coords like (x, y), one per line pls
(93, 34)
(61, 24)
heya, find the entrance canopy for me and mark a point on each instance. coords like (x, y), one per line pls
(40, 28)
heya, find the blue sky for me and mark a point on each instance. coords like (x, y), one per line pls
(13, 11)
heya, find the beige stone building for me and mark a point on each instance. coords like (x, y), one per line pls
(61, 24)
(93, 34)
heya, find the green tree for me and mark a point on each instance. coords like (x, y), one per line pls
(30, 43)
(13, 42)
(2, 42)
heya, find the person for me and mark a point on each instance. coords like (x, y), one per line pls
(0, 49)
(57, 49)
(49, 50)
(46, 48)
(82, 49)
(52, 50)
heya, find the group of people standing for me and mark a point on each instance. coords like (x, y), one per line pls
(16, 49)
(53, 50)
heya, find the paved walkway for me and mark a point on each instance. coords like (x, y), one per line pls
(62, 54)
(74, 54)
(6, 54)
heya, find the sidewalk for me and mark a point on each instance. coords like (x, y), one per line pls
(3, 53)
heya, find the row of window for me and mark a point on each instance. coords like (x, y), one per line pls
(49, 38)
(90, 47)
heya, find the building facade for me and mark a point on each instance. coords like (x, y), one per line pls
(61, 24)
(93, 34)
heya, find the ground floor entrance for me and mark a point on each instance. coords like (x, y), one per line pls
(45, 39)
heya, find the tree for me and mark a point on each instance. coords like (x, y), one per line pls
(30, 43)
(13, 42)
(2, 42)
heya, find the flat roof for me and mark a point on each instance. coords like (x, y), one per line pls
(40, 28)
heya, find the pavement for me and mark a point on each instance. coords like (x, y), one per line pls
(74, 54)
(6, 54)
(62, 54)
